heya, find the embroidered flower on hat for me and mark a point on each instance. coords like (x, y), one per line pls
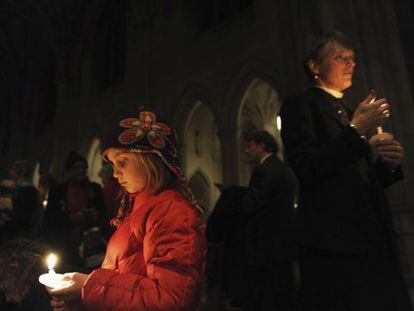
(145, 126)
(146, 135)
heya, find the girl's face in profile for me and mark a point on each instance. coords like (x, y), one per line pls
(128, 170)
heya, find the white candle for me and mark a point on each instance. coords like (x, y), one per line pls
(379, 128)
(53, 279)
(279, 123)
(51, 263)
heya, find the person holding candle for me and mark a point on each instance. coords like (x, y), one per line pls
(24, 214)
(268, 205)
(73, 208)
(155, 259)
(348, 255)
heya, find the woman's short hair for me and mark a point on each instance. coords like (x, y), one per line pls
(265, 138)
(316, 50)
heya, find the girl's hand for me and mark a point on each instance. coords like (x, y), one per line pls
(73, 291)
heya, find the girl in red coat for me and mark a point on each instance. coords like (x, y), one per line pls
(155, 259)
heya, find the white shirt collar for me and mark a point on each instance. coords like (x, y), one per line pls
(265, 157)
(334, 93)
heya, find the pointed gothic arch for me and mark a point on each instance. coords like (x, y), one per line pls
(201, 187)
(94, 159)
(201, 150)
(199, 144)
(258, 111)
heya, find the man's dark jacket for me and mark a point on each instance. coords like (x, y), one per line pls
(269, 206)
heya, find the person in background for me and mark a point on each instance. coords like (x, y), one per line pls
(46, 184)
(6, 192)
(111, 191)
(23, 214)
(348, 249)
(225, 232)
(155, 259)
(268, 204)
(73, 207)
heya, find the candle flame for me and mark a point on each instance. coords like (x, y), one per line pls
(278, 123)
(379, 128)
(51, 261)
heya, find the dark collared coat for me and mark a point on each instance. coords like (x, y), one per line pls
(348, 257)
(342, 202)
(269, 206)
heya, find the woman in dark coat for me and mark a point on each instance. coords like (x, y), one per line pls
(348, 251)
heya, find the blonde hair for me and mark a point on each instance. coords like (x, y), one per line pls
(158, 179)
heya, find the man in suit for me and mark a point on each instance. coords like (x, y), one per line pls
(268, 204)
(348, 256)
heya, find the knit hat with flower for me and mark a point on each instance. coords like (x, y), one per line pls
(145, 133)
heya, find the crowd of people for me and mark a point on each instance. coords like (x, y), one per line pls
(312, 233)
(70, 219)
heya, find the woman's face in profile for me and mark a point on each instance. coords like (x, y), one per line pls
(129, 172)
(336, 69)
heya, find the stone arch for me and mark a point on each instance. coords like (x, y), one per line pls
(201, 187)
(231, 114)
(199, 144)
(187, 103)
(201, 148)
(258, 111)
(36, 174)
(241, 82)
(94, 158)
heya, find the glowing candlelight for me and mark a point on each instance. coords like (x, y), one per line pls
(51, 262)
(379, 128)
(278, 123)
(53, 279)
(381, 135)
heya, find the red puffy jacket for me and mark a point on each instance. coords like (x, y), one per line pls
(154, 261)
